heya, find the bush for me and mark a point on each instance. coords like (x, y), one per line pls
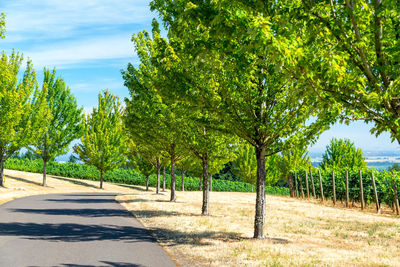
(383, 182)
(130, 177)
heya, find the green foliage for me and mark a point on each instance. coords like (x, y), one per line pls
(245, 163)
(394, 167)
(130, 177)
(342, 154)
(65, 124)
(22, 107)
(383, 181)
(291, 160)
(352, 56)
(103, 141)
(2, 25)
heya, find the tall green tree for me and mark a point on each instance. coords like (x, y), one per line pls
(246, 75)
(65, 124)
(103, 141)
(292, 160)
(148, 116)
(352, 57)
(22, 107)
(245, 164)
(2, 25)
(342, 154)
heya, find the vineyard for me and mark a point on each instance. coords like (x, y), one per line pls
(362, 186)
(130, 177)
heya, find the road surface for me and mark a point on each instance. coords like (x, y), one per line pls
(85, 229)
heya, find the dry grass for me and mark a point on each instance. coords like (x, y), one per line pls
(20, 184)
(300, 233)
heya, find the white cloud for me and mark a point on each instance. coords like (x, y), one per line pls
(61, 55)
(60, 18)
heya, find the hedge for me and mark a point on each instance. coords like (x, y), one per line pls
(130, 177)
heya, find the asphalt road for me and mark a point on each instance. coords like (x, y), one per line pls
(86, 229)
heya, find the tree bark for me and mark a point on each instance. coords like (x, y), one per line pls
(211, 179)
(2, 170)
(172, 178)
(183, 180)
(158, 179)
(252, 187)
(206, 195)
(290, 183)
(44, 172)
(163, 179)
(101, 179)
(147, 182)
(260, 198)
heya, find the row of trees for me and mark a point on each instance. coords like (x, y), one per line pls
(274, 74)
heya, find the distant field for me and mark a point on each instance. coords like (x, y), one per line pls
(380, 165)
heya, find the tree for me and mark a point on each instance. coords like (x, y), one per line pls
(353, 58)
(292, 160)
(144, 160)
(394, 167)
(245, 76)
(102, 144)
(245, 164)
(2, 25)
(22, 107)
(65, 124)
(342, 154)
(149, 117)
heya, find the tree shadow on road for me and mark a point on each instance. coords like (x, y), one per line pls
(77, 212)
(108, 264)
(72, 232)
(82, 200)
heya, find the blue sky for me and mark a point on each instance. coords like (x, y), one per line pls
(88, 42)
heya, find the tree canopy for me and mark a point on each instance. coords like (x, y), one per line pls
(65, 123)
(342, 154)
(103, 141)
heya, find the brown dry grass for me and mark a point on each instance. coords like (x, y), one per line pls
(300, 233)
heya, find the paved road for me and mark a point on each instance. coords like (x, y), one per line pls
(87, 229)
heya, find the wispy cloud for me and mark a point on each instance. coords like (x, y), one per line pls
(84, 50)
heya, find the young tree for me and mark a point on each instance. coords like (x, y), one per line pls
(2, 25)
(245, 164)
(245, 76)
(292, 160)
(148, 116)
(352, 57)
(22, 107)
(103, 141)
(65, 124)
(342, 154)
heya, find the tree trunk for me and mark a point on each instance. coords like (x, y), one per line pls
(2, 170)
(206, 196)
(260, 198)
(163, 179)
(290, 183)
(101, 179)
(158, 179)
(44, 172)
(252, 187)
(172, 178)
(211, 183)
(183, 180)
(147, 182)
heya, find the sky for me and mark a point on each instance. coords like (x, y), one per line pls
(88, 42)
